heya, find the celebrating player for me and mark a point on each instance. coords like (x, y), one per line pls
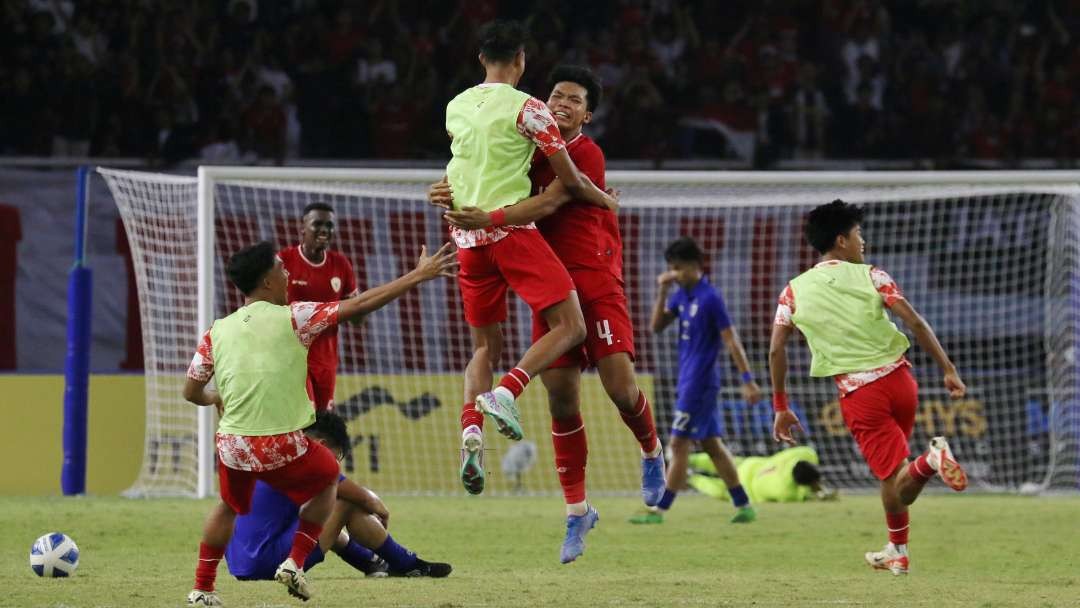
(586, 239)
(790, 475)
(494, 130)
(703, 323)
(319, 274)
(259, 356)
(355, 530)
(839, 306)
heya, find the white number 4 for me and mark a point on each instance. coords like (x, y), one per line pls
(603, 331)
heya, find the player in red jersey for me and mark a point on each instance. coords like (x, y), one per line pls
(319, 274)
(586, 239)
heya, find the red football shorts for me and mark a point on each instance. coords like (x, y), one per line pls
(300, 480)
(607, 321)
(320, 383)
(522, 261)
(881, 416)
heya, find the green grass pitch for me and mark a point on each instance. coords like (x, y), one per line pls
(971, 550)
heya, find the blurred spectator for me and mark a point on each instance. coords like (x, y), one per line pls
(749, 79)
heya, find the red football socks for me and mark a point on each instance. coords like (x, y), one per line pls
(304, 541)
(515, 381)
(898, 527)
(641, 424)
(206, 570)
(571, 452)
(470, 416)
(920, 469)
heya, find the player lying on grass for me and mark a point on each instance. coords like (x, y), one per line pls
(319, 274)
(586, 240)
(494, 130)
(789, 475)
(703, 324)
(259, 356)
(355, 531)
(839, 306)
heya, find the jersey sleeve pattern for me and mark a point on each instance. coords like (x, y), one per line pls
(886, 286)
(785, 307)
(537, 123)
(312, 318)
(202, 364)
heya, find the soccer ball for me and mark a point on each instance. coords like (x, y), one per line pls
(54, 554)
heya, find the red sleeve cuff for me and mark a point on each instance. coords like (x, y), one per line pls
(498, 217)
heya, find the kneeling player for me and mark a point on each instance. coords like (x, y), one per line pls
(355, 530)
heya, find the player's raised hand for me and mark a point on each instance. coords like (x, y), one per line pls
(955, 385)
(783, 424)
(442, 264)
(441, 194)
(468, 218)
(666, 278)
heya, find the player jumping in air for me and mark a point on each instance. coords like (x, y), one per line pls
(586, 239)
(703, 323)
(839, 306)
(355, 530)
(494, 130)
(259, 356)
(319, 274)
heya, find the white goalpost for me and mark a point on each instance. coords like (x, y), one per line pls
(991, 259)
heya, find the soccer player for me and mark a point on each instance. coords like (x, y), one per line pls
(355, 530)
(259, 356)
(494, 130)
(839, 306)
(319, 274)
(789, 475)
(586, 239)
(703, 324)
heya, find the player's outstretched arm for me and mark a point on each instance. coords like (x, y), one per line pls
(441, 264)
(927, 339)
(661, 316)
(519, 214)
(750, 389)
(785, 421)
(580, 187)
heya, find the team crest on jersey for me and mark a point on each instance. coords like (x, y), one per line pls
(335, 283)
(693, 309)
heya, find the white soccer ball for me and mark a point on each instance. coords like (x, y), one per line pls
(53, 555)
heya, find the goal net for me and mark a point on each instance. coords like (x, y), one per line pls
(990, 259)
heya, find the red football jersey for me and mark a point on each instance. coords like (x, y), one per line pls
(331, 280)
(584, 236)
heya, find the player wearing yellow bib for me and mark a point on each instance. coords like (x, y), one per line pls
(789, 475)
(840, 305)
(494, 130)
(258, 355)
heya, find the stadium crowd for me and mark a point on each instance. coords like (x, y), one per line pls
(761, 80)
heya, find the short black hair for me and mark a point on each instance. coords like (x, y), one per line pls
(249, 265)
(501, 40)
(826, 222)
(316, 206)
(684, 249)
(330, 427)
(583, 76)
(805, 473)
